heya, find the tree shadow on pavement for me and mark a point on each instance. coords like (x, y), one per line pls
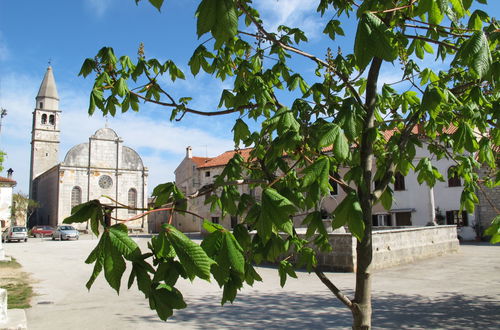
(298, 311)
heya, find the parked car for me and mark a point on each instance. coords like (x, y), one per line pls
(15, 233)
(65, 232)
(41, 231)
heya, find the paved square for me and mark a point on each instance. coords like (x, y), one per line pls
(455, 292)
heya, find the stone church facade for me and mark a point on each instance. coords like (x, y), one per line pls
(101, 167)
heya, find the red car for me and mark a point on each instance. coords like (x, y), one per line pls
(42, 231)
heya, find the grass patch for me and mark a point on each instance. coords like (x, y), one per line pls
(17, 284)
(10, 264)
(18, 295)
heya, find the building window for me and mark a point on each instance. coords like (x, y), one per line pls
(234, 221)
(403, 218)
(41, 105)
(207, 174)
(455, 217)
(453, 179)
(132, 200)
(44, 119)
(381, 220)
(335, 188)
(215, 220)
(76, 196)
(399, 181)
(52, 119)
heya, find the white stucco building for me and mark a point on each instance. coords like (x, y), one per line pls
(6, 186)
(413, 205)
(103, 166)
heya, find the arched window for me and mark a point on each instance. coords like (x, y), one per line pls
(76, 196)
(132, 200)
(453, 178)
(44, 119)
(52, 119)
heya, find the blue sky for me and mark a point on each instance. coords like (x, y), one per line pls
(67, 32)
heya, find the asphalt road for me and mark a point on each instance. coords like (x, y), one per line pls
(458, 291)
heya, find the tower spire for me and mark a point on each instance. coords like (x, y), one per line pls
(47, 94)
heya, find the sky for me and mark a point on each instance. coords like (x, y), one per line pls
(34, 32)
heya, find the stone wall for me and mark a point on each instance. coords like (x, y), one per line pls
(487, 197)
(391, 247)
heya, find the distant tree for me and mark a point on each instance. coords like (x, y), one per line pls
(2, 158)
(22, 208)
(345, 106)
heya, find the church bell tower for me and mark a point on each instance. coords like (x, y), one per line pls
(45, 131)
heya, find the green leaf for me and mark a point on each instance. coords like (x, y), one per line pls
(386, 198)
(435, 14)
(285, 268)
(373, 38)
(349, 211)
(241, 131)
(157, 3)
(234, 253)
(120, 87)
(87, 67)
(92, 210)
(191, 255)
(114, 265)
(207, 16)
(118, 235)
(164, 299)
(475, 52)
(318, 172)
(275, 210)
(494, 230)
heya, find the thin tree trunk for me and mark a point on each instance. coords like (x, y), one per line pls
(362, 307)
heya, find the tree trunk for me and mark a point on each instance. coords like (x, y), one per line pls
(362, 307)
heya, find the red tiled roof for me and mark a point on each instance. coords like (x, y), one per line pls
(417, 130)
(200, 160)
(7, 180)
(224, 158)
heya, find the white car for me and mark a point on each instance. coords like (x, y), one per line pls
(65, 232)
(16, 233)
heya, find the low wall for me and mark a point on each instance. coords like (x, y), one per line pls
(391, 247)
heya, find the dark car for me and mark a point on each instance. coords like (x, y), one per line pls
(41, 231)
(15, 233)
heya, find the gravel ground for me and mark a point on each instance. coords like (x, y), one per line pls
(458, 291)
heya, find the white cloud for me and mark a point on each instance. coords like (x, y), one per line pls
(99, 7)
(292, 13)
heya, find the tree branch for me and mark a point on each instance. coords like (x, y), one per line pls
(442, 43)
(394, 9)
(198, 112)
(277, 42)
(326, 281)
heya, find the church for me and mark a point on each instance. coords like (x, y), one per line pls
(101, 167)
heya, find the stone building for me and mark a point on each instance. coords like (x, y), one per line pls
(489, 198)
(6, 186)
(103, 166)
(413, 204)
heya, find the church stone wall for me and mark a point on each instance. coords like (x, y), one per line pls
(68, 179)
(103, 154)
(47, 194)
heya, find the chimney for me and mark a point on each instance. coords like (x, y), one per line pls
(189, 152)
(9, 173)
